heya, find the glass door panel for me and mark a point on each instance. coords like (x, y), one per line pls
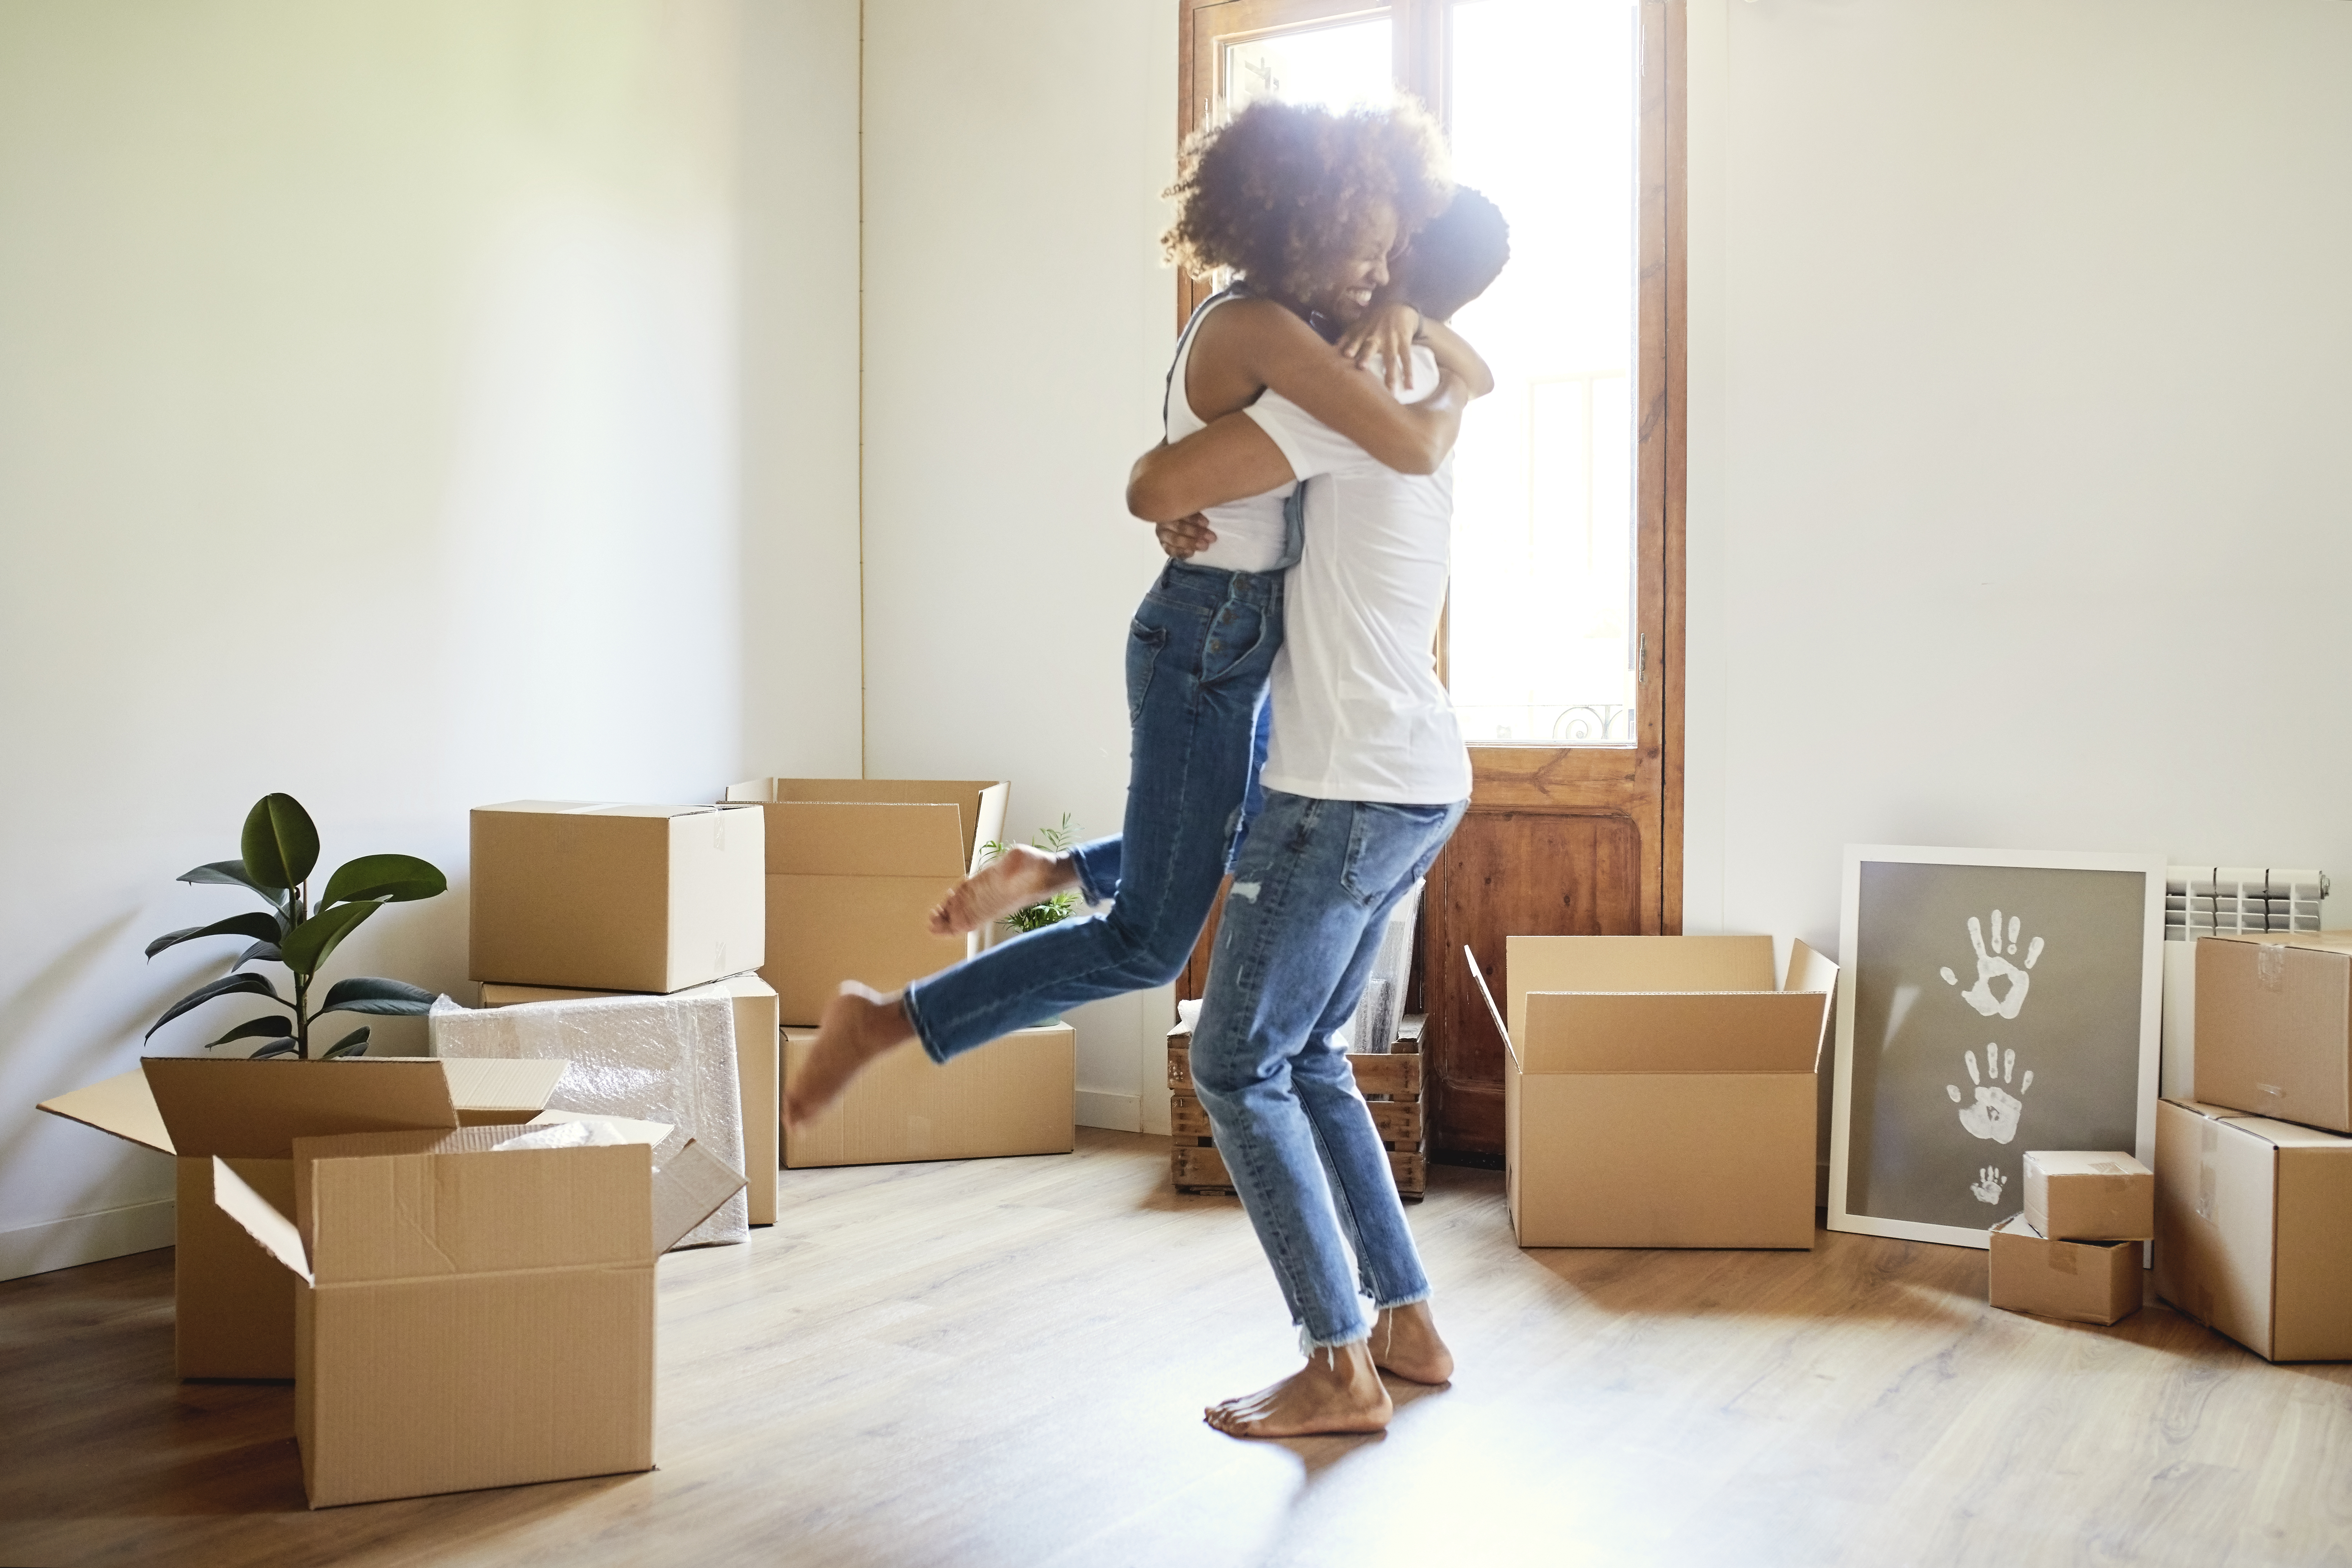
(1541, 632)
(1335, 65)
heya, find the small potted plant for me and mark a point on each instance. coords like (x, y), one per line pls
(279, 850)
(1047, 912)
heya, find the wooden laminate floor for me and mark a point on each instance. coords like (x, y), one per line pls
(1003, 1362)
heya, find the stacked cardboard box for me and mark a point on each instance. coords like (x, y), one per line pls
(2254, 1173)
(2074, 1253)
(1660, 1091)
(236, 1308)
(1389, 1081)
(853, 869)
(573, 899)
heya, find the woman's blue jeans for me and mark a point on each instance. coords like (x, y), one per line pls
(1198, 654)
(1302, 927)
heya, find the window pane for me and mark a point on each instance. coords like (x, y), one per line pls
(1541, 100)
(1330, 66)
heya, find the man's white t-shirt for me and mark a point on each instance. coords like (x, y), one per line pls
(1359, 713)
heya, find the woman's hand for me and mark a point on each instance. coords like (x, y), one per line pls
(1388, 329)
(1187, 536)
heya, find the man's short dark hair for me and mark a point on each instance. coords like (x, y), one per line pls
(1453, 259)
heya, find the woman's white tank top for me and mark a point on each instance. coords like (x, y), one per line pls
(1252, 535)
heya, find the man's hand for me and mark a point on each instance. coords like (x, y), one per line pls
(1187, 536)
(1388, 329)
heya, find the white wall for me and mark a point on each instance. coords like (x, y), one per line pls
(368, 430)
(2018, 393)
(1018, 324)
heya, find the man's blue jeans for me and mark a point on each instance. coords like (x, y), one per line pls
(1302, 927)
(1198, 656)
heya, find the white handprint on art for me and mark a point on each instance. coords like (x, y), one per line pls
(1992, 963)
(1988, 1184)
(1994, 1115)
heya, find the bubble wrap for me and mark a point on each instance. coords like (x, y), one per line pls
(656, 1058)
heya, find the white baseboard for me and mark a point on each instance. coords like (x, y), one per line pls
(1105, 1107)
(85, 1238)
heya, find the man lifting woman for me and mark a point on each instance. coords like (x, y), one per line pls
(1275, 438)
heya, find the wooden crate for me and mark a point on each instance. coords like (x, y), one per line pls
(1390, 1083)
(1200, 1169)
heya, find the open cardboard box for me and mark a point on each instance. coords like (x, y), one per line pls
(1016, 1095)
(235, 1307)
(615, 898)
(1660, 1092)
(854, 867)
(2274, 1026)
(759, 1068)
(2074, 1281)
(2254, 1228)
(470, 1315)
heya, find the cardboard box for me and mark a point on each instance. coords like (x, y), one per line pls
(615, 898)
(1017, 1095)
(1659, 1090)
(2274, 1026)
(2075, 1282)
(235, 1308)
(470, 1315)
(758, 1068)
(854, 867)
(2254, 1228)
(2089, 1196)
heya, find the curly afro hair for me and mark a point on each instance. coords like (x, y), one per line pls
(1283, 195)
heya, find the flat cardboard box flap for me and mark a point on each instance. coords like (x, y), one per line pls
(367, 1209)
(1672, 1032)
(876, 827)
(250, 1110)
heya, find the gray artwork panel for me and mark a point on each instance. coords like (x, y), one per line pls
(1933, 1142)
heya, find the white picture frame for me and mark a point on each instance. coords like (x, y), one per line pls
(1887, 1129)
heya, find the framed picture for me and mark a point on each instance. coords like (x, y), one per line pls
(1995, 1001)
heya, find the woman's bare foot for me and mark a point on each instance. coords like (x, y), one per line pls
(1013, 881)
(859, 1025)
(1405, 1344)
(1337, 1391)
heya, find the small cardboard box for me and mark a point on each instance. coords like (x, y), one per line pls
(2274, 1026)
(759, 1069)
(1017, 1095)
(615, 898)
(2076, 1281)
(469, 1315)
(1660, 1091)
(234, 1307)
(2254, 1228)
(854, 867)
(2076, 1194)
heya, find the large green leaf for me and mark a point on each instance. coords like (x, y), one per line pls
(352, 1045)
(366, 993)
(227, 986)
(285, 1048)
(253, 925)
(260, 951)
(280, 845)
(232, 874)
(306, 947)
(395, 879)
(269, 1028)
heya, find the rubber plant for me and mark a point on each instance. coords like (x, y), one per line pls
(278, 851)
(1046, 912)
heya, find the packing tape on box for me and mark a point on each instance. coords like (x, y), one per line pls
(2208, 1141)
(2270, 965)
(652, 1058)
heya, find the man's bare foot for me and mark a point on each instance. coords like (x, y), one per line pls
(1013, 881)
(859, 1025)
(1337, 1391)
(1405, 1344)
